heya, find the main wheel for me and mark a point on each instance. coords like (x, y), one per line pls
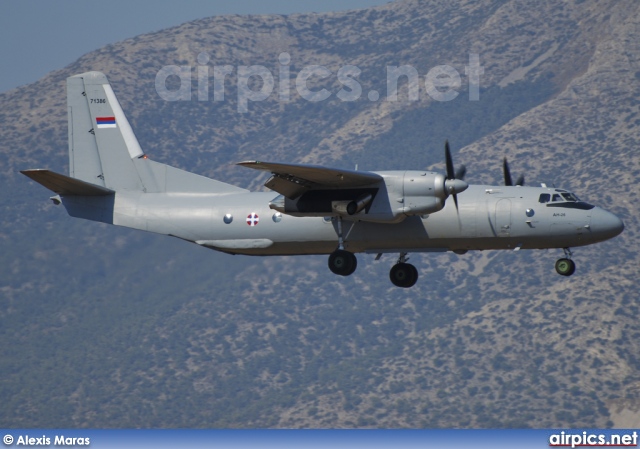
(342, 262)
(403, 275)
(565, 267)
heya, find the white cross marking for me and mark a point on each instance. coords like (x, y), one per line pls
(252, 219)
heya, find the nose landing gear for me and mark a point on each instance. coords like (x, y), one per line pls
(565, 266)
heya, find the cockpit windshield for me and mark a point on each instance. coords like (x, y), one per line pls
(562, 197)
(570, 197)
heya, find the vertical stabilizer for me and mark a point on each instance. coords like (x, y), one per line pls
(102, 146)
(104, 151)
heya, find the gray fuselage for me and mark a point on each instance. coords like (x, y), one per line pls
(490, 217)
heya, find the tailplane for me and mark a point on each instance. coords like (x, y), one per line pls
(65, 185)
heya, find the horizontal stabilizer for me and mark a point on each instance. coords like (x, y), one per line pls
(64, 185)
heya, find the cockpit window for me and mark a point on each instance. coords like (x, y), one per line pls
(544, 198)
(570, 197)
(564, 200)
(561, 197)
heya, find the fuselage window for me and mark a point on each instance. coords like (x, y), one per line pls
(544, 198)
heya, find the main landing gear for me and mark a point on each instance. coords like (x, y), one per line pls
(566, 266)
(403, 274)
(344, 263)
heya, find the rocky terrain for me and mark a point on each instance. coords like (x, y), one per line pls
(108, 327)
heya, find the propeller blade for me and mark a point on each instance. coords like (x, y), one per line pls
(507, 173)
(454, 183)
(455, 201)
(447, 155)
(508, 181)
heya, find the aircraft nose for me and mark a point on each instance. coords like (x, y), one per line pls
(604, 224)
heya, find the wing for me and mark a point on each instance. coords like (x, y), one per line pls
(293, 180)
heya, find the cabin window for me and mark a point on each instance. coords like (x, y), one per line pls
(544, 198)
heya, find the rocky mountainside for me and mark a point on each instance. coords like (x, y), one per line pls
(108, 327)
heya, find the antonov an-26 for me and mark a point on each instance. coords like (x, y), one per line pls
(316, 210)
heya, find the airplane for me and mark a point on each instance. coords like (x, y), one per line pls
(317, 210)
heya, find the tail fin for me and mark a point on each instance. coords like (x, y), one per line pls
(103, 149)
(102, 145)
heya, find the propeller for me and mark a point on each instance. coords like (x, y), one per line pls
(454, 182)
(507, 175)
(460, 172)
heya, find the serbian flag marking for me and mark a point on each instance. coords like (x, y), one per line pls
(106, 122)
(252, 219)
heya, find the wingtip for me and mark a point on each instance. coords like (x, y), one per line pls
(29, 172)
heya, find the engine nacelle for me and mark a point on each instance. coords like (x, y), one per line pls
(401, 194)
(424, 193)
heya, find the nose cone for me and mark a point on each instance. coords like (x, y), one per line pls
(605, 225)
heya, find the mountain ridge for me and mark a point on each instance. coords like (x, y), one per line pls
(107, 327)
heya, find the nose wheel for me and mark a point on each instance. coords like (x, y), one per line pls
(403, 274)
(566, 266)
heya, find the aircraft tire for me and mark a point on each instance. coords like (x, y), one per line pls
(565, 267)
(414, 274)
(403, 275)
(342, 263)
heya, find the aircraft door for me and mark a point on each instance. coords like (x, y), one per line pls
(503, 218)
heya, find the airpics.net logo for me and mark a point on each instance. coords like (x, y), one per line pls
(257, 82)
(593, 439)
